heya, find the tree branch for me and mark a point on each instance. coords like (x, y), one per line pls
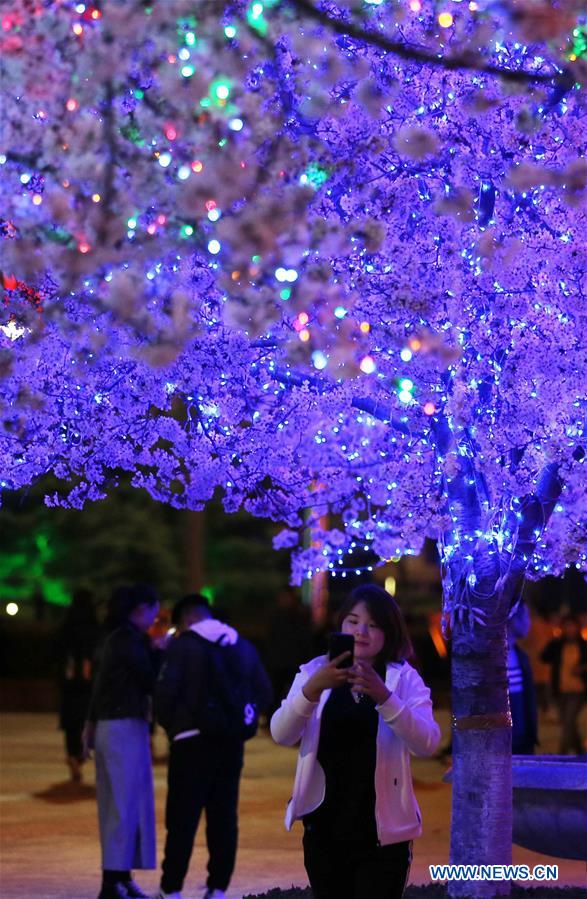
(537, 508)
(464, 61)
(363, 404)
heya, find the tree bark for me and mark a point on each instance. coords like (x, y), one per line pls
(481, 829)
(194, 550)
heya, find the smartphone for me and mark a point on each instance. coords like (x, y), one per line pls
(339, 643)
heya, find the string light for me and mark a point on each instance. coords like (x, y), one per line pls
(367, 365)
(444, 357)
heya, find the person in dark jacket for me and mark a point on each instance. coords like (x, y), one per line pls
(118, 729)
(568, 656)
(76, 644)
(209, 691)
(522, 695)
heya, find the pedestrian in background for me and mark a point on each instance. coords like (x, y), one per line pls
(353, 785)
(76, 645)
(522, 696)
(118, 730)
(567, 655)
(209, 694)
(540, 634)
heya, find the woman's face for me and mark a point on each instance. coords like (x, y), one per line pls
(144, 615)
(369, 638)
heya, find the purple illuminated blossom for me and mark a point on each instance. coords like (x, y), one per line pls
(445, 208)
(192, 301)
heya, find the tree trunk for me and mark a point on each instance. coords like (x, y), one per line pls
(483, 573)
(481, 830)
(194, 550)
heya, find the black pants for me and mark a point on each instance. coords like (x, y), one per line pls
(203, 773)
(73, 742)
(569, 706)
(339, 870)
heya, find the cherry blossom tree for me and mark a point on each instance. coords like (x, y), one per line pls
(328, 261)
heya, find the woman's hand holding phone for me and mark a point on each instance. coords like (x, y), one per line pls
(365, 680)
(327, 677)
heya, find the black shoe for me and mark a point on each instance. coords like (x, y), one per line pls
(115, 891)
(133, 890)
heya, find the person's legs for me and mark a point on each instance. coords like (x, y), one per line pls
(226, 761)
(563, 723)
(187, 785)
(382, 872)
(329, 869)
(73, 751)
(571, 704)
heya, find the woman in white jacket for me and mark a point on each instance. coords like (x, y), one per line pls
(357, 726)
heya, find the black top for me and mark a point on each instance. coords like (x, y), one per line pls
(523, 709)
(183, 688)
(347, 754)
(126, 676)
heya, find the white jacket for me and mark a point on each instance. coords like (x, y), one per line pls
(406, 724)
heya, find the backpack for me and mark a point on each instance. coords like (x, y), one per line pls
(229, 708)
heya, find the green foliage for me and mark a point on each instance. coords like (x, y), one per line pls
(25, 568)
(127, 537)
(130, 537)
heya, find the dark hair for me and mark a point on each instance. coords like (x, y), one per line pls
(387, 615)
(186, 604)
(125, 600)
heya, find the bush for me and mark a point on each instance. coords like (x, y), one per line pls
(438, 891)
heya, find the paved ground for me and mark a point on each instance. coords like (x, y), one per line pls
(48, 832)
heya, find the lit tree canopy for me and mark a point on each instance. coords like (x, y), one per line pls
(248, 251)
(327, 260)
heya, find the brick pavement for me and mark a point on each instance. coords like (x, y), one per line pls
(48, 833)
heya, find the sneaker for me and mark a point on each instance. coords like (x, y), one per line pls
(162, 895)
(214, 894)
(133, 889)
(113, 891)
